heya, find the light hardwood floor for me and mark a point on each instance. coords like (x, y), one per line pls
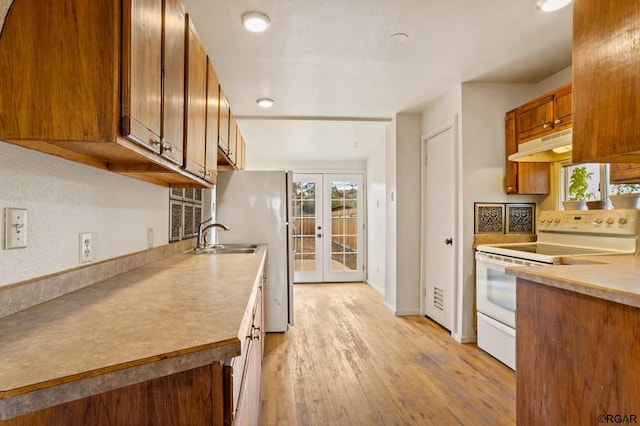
(349, 361)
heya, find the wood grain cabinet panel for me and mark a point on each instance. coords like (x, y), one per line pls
(213, 115)
(523, 178)
(549, 113)
(173, 80)
(142, 72)
(242, 374)
(576, 357)
(44, 72)
(224, 126)
(84, 81)
(535, 119)
(606, 59)
(624, 173)
(233, 139)
(196, 112)
(192, 397)
(563, 108)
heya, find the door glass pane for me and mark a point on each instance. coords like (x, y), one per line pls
(344, 226)
(304, 225)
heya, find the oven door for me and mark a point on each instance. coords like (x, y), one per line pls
(495, 290)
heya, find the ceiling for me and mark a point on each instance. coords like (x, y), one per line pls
(337, 77)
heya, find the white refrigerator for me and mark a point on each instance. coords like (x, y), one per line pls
(256, 206)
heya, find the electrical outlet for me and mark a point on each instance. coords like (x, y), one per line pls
(86, 247)
(15, 226)
(150, 237)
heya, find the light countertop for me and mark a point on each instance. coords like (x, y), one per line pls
(174, 308)
(610, 277)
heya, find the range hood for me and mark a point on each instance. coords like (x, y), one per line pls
(547, 149)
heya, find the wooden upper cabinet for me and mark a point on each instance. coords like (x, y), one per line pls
(196, 111)
(241, 152)
(511, 147)
(173, 79)
(59, 65)
(224, 125)
(233, 139)
(213, 111)
(84, 81)
(535, 119)
(624, 173)
(606, 59)
(549, 113)
(523, 178)
(563, 108)
(142, 72)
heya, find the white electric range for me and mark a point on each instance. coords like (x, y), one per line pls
(560, 234)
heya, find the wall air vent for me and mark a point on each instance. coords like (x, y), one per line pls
(438, 298)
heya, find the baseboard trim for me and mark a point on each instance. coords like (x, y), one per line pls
(464, 339)
(407, 313)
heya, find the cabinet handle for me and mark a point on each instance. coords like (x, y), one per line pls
(158, 142)
(558, 121)
(546, 125)
(254, 334)
(205, 173)
(166, 146)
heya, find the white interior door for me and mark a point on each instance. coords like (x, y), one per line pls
(328, 233)
(306, 214)
(439, 213)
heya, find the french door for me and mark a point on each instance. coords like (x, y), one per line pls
(328, 227)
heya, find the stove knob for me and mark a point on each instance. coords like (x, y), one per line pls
(598, 220)
(622, 220)
(556, 220)
(610, 221)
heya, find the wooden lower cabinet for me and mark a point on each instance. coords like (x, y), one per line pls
(242, 374)
(222, 393)
(190, 398)
(576, 358)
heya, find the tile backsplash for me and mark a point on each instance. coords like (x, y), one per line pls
(185, 213)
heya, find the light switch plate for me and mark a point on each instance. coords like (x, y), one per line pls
(15, 228)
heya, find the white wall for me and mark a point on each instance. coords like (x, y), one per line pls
(481, 108)
(402, 278)
(391, 218)
(308, 165)
(63, 199)
(376, 218)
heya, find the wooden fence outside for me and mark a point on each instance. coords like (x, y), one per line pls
(344, 228)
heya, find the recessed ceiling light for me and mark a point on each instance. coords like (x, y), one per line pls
(265, 102)
(256, 22)
(552, 5)
(398, 38)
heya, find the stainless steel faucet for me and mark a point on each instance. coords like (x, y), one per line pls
(202, 231)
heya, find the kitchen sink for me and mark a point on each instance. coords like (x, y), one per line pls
(227, 249)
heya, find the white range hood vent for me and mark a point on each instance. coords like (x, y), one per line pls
(547, 149)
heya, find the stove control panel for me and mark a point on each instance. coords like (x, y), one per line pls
(612, 222)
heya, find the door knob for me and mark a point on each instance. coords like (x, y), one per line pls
(449, 241)
(319, 235)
